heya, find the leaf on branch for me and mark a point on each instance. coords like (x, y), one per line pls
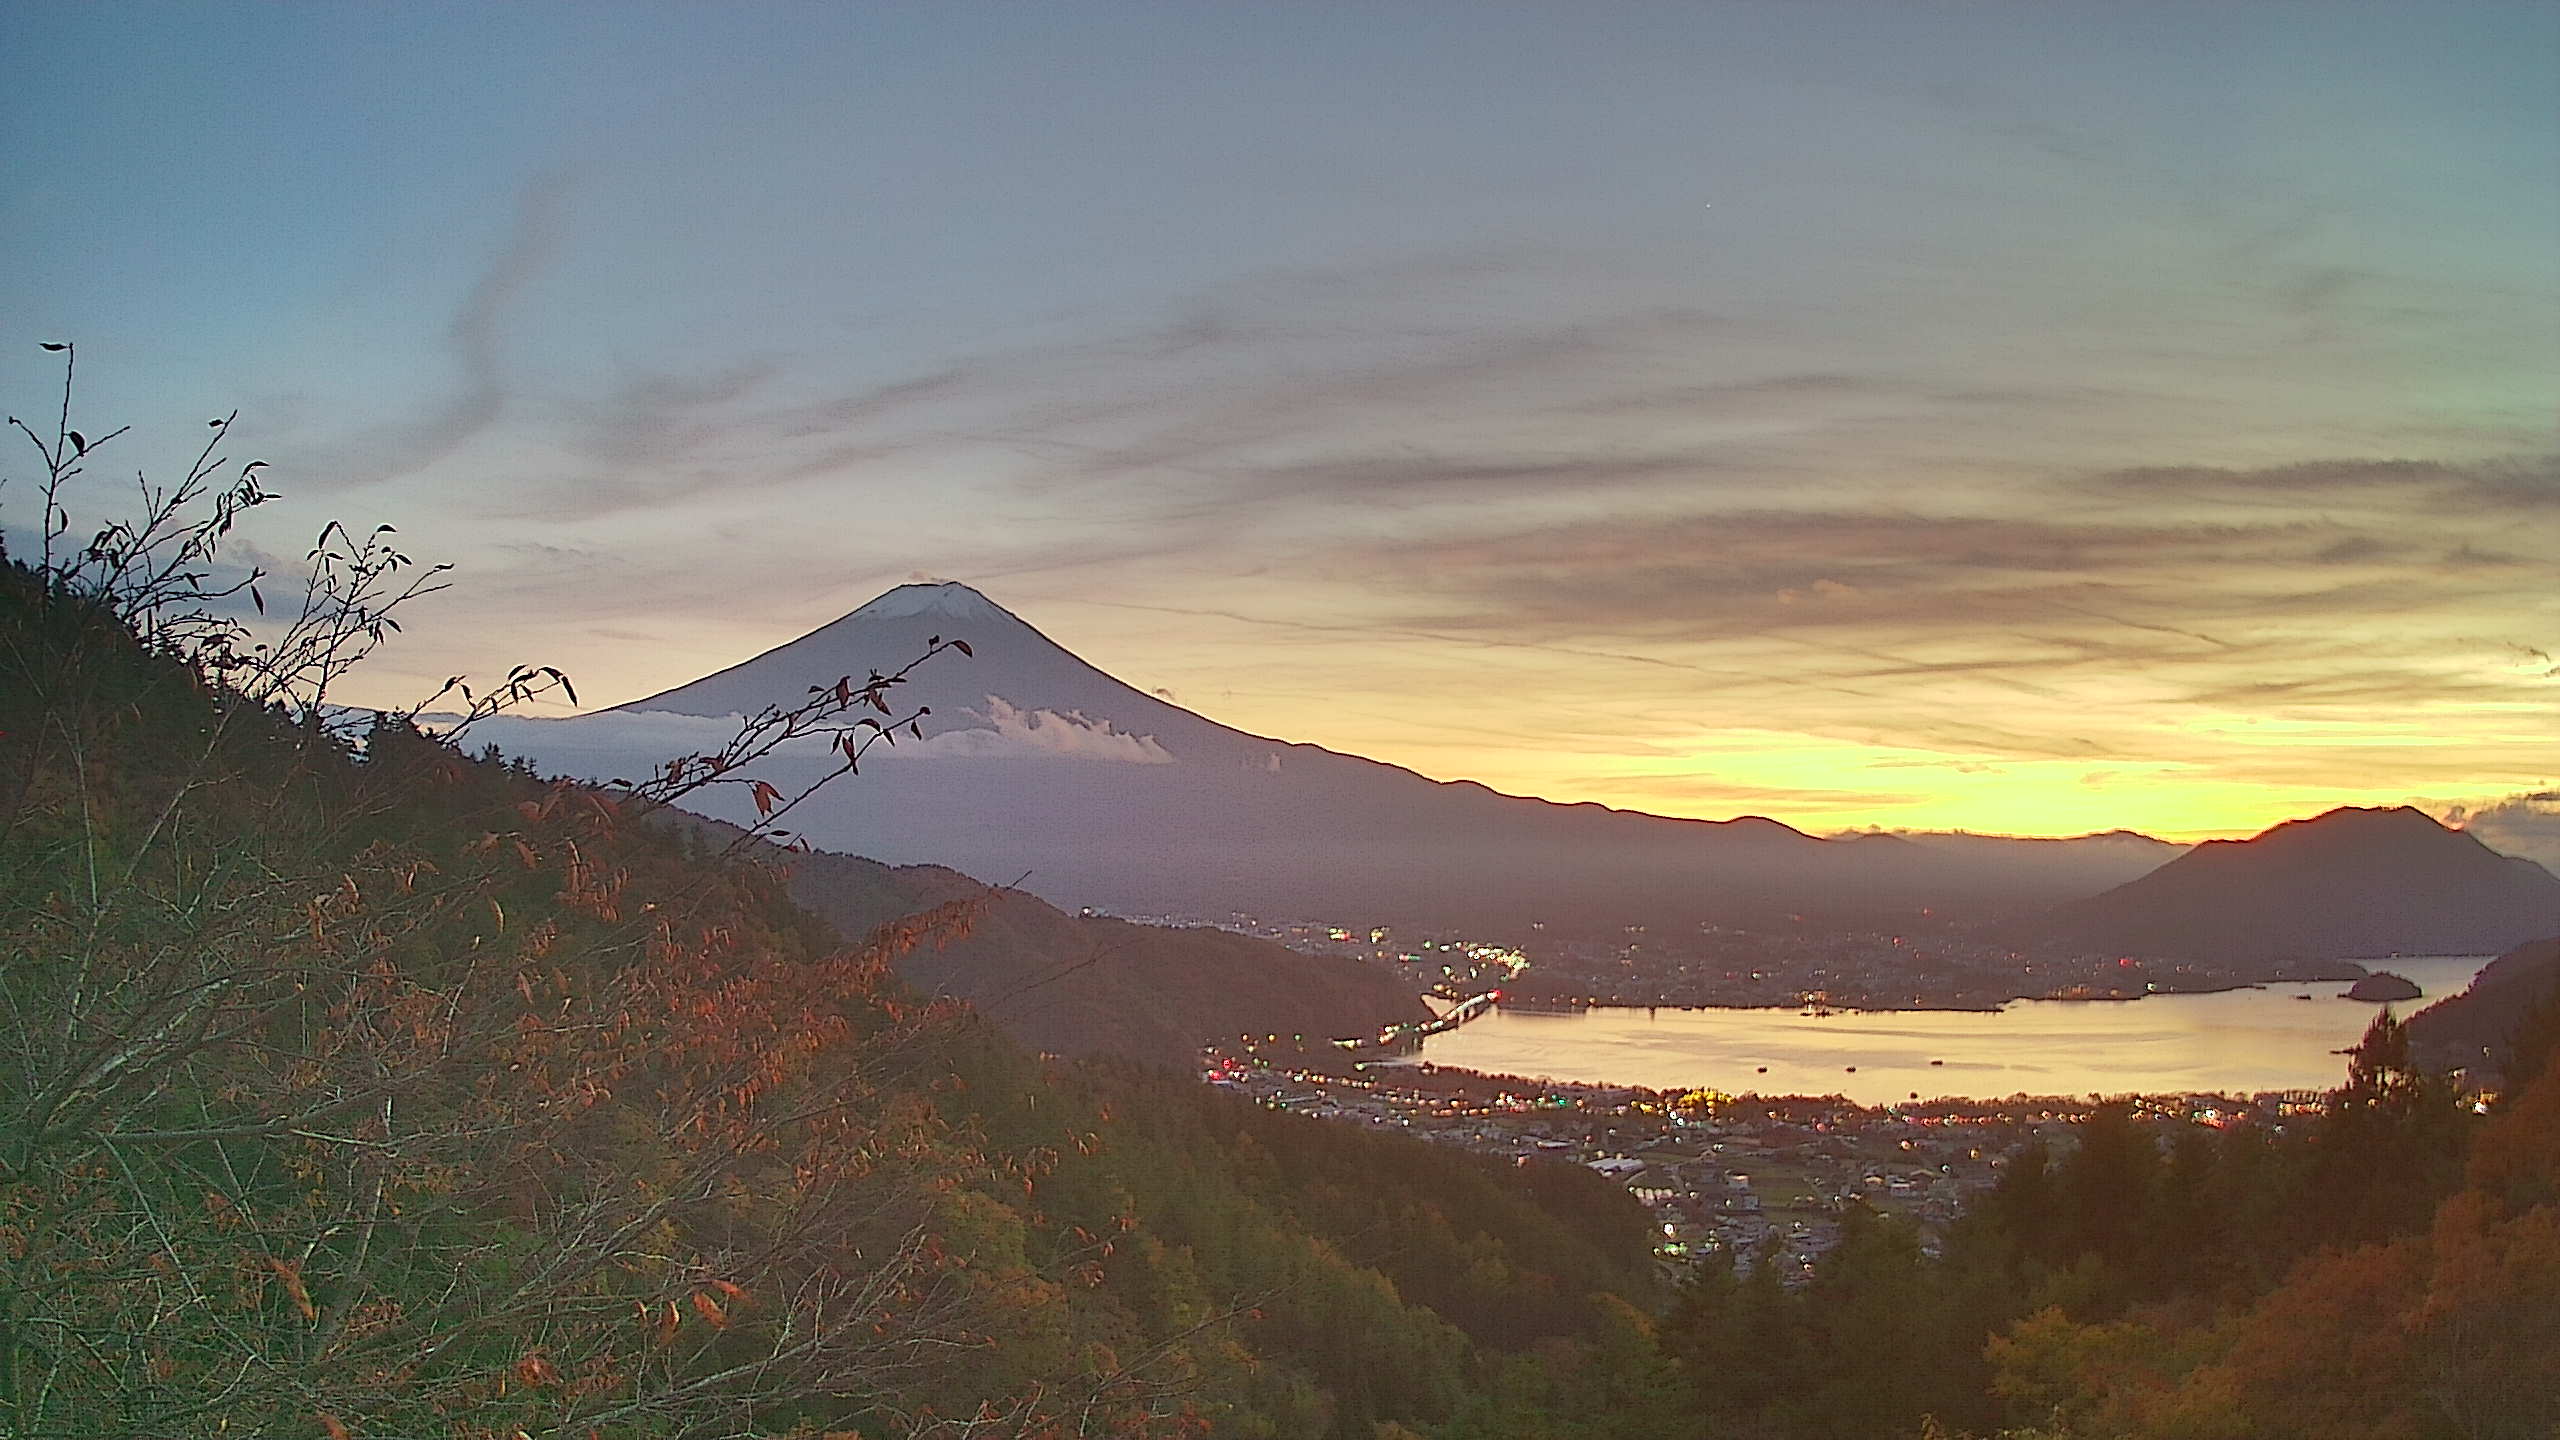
(535, 1369)
(79, 443)
(291, 1275)
(765, 796)
(51, 345)
(709, 1309)
(963, 647)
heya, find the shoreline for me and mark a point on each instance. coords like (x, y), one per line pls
(1952, 1007)
(1776, 1033)
(1465, 1080)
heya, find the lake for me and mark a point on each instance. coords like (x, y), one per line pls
(2232, 1042)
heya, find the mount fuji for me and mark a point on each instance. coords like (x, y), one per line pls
(1036, 767)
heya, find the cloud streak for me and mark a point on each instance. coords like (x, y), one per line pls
(474, 342)
(631, 744)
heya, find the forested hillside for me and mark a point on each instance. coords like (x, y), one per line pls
(1087, 985)
(2158, 1279)
(350, 1085)
(2506, 1019)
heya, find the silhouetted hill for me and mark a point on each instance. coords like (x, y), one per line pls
(2350, 883)
(1035, 764)
(2472, 1029)
(1090, 985)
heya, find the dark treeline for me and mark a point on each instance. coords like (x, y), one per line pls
(2172, 1222)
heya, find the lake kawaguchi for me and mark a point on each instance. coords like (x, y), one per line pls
(2233, 1042)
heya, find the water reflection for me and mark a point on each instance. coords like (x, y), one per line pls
(2283, 1037)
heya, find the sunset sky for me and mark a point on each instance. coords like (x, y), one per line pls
(2032, 419)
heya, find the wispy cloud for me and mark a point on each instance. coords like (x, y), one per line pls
(474, 341)
(628, 744)
(1651, 532)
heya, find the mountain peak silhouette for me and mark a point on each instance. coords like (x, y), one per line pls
(1010, 776)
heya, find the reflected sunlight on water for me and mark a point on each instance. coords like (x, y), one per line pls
(2234, 1042)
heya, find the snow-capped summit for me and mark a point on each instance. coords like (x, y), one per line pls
(1010, 668)
(946, 599)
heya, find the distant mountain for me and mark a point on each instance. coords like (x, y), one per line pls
(1037, 767)
(1087, 985)
(2085, 864)
(2351, 883)
(2471, 1030)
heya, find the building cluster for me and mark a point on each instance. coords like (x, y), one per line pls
(1745, 1175)
(1924, 967)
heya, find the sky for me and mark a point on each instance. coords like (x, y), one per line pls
(2032, 419)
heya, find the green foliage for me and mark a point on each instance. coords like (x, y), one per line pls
(1380, 1275)
(2389, 1148)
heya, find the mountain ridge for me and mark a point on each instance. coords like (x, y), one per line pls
(1086, 985)
(736, 689)
(1217, 820)
(2351, 882)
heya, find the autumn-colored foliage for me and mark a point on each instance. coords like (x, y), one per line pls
(2448, 1330)
(353, 1086)
(389, 1088)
